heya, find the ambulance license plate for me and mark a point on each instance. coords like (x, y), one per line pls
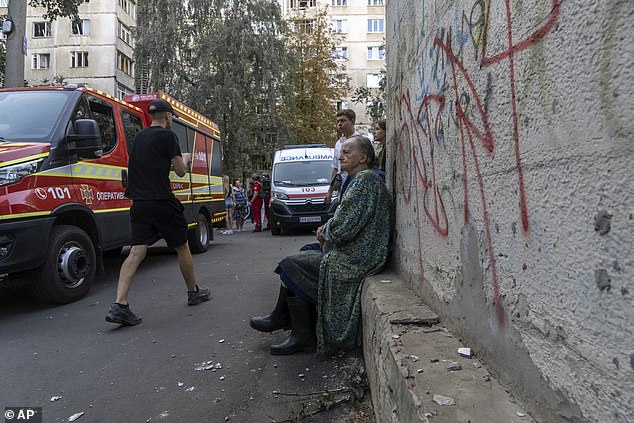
(309, 219)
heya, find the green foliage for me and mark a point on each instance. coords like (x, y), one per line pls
(58, 8)
(374, 99)
(309, 111)
(3, 59)
(236, 62)
(226, 59)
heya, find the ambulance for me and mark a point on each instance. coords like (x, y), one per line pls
(300, 180)
(63, 174)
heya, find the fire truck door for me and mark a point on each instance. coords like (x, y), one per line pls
(98, 182)
(181, 186)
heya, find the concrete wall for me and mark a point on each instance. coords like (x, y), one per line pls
(511, 150)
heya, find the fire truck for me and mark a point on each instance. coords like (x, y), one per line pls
(63, 174)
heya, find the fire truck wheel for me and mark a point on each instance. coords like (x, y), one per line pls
(199, 236)
(69, 269)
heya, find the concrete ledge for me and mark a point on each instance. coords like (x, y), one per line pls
(407, 353)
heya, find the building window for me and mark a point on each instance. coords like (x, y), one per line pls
(375, 25)
(122, 91)
(125, 34)
(376, 53)
(128, 7)
(302, 4)
(41, 29)
(341, 53)
(125, 64)
(375, 2)
(41, 61)
(305, 26)
(340, 105)
(339, 2)
(78, 59)
(339, 25)
(373, 80)
(81, 27)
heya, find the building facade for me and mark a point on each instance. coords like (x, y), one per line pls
(96, 51)
(361, 27)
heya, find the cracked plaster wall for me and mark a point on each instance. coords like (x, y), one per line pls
(510, 151)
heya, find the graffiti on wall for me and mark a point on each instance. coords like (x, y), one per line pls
(444, 96)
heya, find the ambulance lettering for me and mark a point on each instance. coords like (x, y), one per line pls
(308, 157)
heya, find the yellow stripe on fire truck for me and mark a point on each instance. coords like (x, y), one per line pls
(23, 160)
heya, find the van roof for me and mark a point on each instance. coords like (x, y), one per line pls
(308, 153)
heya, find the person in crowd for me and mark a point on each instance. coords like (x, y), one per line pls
(345, 126)
(155, 213)
(256, 202)
(355, 243)
(265, 194)
(240, 211)
(379, 136)
(230, 203)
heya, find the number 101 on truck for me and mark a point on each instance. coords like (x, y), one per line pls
(63, 174)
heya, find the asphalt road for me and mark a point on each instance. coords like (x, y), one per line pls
(147, 373)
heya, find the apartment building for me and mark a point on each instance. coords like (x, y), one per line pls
(96, 51)
(361, 25)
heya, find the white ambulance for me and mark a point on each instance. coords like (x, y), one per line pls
(299, 183)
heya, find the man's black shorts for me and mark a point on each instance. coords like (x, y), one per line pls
(153, 219)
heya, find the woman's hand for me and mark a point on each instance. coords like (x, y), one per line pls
(319, 234)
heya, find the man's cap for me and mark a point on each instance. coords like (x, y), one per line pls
(160, 106)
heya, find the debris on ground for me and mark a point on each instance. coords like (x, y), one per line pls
(443, 400)
(75, 416)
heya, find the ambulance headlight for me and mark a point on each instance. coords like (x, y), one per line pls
(278, 196)
(13, 174)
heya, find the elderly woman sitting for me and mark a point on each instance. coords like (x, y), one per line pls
(355, 244)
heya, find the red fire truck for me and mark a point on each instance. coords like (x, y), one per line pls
(63, 172)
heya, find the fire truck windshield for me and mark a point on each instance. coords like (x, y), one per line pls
(30, 115)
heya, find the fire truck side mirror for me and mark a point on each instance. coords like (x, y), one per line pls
(86, 139)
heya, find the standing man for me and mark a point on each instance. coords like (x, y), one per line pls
(256, 201)
(345, 126)
(155, 211)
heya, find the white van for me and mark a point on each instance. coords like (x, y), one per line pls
(299, 183)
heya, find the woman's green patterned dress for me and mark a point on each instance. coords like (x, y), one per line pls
(357, 245)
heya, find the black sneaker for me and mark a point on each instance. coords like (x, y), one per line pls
(122, 316)
(197, 297)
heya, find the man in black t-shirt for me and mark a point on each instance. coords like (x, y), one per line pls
(155, 211)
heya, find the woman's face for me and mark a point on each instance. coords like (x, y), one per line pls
(379, 134)
(352, 160)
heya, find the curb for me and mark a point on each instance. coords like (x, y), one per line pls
(407, 356)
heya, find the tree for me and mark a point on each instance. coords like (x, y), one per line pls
(374, 99)
(58, 8)
(315, 79)
(3, 56)
(226, 59)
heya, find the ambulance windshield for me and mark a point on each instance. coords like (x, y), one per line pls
(302, 173)
(30, 115)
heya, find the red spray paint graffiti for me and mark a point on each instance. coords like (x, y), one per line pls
(419, 132)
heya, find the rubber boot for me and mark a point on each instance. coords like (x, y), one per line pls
(302, 337)
(279, 318)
